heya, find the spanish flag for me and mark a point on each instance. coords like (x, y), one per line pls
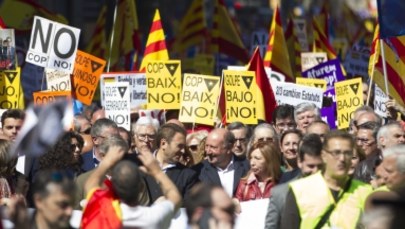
(156, 45)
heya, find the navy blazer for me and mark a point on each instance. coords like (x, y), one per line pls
(208, 173)
(88, 161)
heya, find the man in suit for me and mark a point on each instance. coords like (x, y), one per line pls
(221, 166)
(171, 141)
(309, 162)
(102, 129)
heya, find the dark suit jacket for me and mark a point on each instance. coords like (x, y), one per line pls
(183, 177)
(88, 162)
(208, 173)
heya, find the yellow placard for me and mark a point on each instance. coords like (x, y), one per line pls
(240, 96)
(318, 83)
(86, 75)
(199, 99)
(163, 81)
(11, 96)
(45, 97)
(349, 96)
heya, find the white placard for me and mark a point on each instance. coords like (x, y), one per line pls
(294, 94)
(300, 27)
(379, 101)
(57, 80)
(117, 103)
(312, 59)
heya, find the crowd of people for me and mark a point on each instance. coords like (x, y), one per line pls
(313, 177)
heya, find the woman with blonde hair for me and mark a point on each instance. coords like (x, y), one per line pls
(264, 173)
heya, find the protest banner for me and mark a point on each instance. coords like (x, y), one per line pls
(11, 96)
(294, 94)
(86, 75)
(117, 103)
(57, 80)
(300, 28)
(349, 96)
(318, 83)
(7, 50)
(45, 97)
(240, 96)
(379, 101)
(199, 99)
(259, 39)
(163, 80)
(357, 60)
(312, 59)
(330, 71)
(137, 84)
(53, 45)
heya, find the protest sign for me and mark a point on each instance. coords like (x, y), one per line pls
(312, 59)
(7, 50)
(318, 83)
(45, 97)
(300, 28)
(240, 96)
(163, 80)
(294, 94)
(379, 101)
(53, 45)
(330, 71)
(356, 61)
(137, 84)
(199, 99)
(86, 75)
(349, 96)
(117, 103)
(11, 96)
(57, 80)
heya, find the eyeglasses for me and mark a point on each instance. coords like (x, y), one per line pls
(87, 131)
(74, 146)
(193, 147)
(337, 153)
(265, 139)
(364, 141)
(143, 137)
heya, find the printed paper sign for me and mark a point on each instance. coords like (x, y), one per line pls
(11, 95)
(86, 75)
(57, 80)
(330, 71)
(45, 97)
(163, 80)
(294, 94)
(356, 61)
(349, 96)
(300, 28)
(259, 39)
(379, 101)
(312, 59)
(7, 50)
(240, 96)
(137, 84)
(318, 83)
(117, 103)
(53, 45)
(199, 99)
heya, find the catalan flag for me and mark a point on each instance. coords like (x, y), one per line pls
(155, 45)
(276, 55)
(225, 39)
(375, 51)
(266, 101)
(193, 28)
(294, 48)
(97, 45)
(321, 41)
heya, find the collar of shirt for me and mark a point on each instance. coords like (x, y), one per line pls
(252, 178)
(95, 160)
(164, 168)
(229, 167)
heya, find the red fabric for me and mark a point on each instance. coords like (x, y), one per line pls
(249, 190)
(256, 65)
(99, 212)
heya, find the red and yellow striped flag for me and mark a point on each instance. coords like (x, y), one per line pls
(156, 44)
(321, 41)
(276, 55)
(294, 48)
(375, 51)
(193, 28)
(225, 38)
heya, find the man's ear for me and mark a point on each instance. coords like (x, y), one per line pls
(163, 143)
(37, 200)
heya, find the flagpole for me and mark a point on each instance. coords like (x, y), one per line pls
(371, 79)
(384, 66)
(219, 98)
(112, 35)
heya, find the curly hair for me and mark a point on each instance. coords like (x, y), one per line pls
(61, 155)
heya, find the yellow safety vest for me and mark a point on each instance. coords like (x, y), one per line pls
(314, 197)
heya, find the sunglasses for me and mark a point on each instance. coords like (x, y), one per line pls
(193, 147)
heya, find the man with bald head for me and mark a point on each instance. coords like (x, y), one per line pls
(221, 167)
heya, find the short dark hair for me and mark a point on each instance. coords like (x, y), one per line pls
(126, 181)
(229, 139)
(283, 111)
(46, 177)
(12, 113)
(310, 144)
(239, 125)
(338, 134)
(373, 126)
(167, 132)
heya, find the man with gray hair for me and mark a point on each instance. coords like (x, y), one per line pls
(144, 133)
(305, 114)
(390, 134)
